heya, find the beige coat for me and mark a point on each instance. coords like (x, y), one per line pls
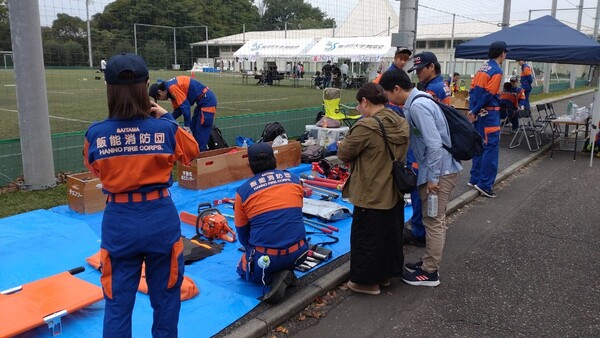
(371, 184)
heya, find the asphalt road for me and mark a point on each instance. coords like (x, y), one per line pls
(524, 264)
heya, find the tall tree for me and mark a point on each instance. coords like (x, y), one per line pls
(296, 13)
(5, 43)
(69, 28)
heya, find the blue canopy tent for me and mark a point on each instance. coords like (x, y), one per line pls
(543, 40)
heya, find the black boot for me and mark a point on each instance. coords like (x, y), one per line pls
(281, 280)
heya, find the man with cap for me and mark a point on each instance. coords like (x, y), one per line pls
(401, 57)
(268, 218)
(526, 81)
(184, 92)
(429, 72)
(484, 111)
(132, 152)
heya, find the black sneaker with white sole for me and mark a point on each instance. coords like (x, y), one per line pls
(487, 193)
(420, 277)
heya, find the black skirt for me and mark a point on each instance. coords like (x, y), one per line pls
(376, 244)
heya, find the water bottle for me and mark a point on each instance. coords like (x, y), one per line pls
(570, 108)
(245, 144)
(432, 205)
(264, 262)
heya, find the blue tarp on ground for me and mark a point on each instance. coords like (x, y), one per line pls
(544, 40)
(41, 243)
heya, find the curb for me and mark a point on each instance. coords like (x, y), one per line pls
(268, 320)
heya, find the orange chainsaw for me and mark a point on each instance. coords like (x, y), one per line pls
(213, 224)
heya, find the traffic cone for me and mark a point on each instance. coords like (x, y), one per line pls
(192, 73)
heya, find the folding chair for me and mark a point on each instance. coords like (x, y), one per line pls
(543, 119)
(506, 112)
(337, 111)
(552, 116)
(527, 129)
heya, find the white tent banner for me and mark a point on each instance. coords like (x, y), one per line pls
(372, 48)
(275, 48)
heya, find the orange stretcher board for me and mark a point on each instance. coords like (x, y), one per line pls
(44, 301)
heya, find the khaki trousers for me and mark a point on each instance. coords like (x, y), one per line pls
(435, 227)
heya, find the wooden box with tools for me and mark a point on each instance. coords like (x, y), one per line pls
(221, 166)
(459, 103)
(85, 193)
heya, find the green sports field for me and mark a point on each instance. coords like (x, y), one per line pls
(76, 98)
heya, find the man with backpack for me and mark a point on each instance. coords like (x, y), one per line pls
(438, 170)
(484, 111)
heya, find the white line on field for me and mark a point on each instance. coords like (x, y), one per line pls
(280, 99)
(231, 108)
(69, 119)
(51, 116)
(57, 92)
(10, 85)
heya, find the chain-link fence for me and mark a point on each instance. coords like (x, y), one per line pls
(256, 56)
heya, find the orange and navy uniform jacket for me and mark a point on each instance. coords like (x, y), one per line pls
(142, 152)
(268, 210)
(526, 77)
(184, 92)
(438, 89)
(514, 98)
(485, 87)
(394, 107)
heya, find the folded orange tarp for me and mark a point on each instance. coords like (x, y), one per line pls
(25, 309)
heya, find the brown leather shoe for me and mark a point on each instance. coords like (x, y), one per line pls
(362, 288)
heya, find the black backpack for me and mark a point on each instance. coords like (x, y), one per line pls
(271, 131)
(216, 139)
(466, 141)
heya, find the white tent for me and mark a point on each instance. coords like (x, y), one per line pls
(357, 49)
(275, 48)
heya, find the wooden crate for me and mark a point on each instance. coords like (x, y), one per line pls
(85, 193)
(221, 166)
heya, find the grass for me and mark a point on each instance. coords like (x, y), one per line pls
(13, 203)
(76, 98)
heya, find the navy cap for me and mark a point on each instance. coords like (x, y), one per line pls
(423, 59)
(499, 46)
(153, 91)
(404, 50)
(125, 62)
(259, 148)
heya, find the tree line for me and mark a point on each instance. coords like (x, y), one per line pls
(65, 42)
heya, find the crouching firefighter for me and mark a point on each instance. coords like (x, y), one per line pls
(268, 218)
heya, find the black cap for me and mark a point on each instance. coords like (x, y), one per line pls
(126, 62)
(403, 50)
(499, 46)
(259, 148)
(153, 91)
(423, 59)
(513, 79)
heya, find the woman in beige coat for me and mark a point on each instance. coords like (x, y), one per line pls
(378, 218)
